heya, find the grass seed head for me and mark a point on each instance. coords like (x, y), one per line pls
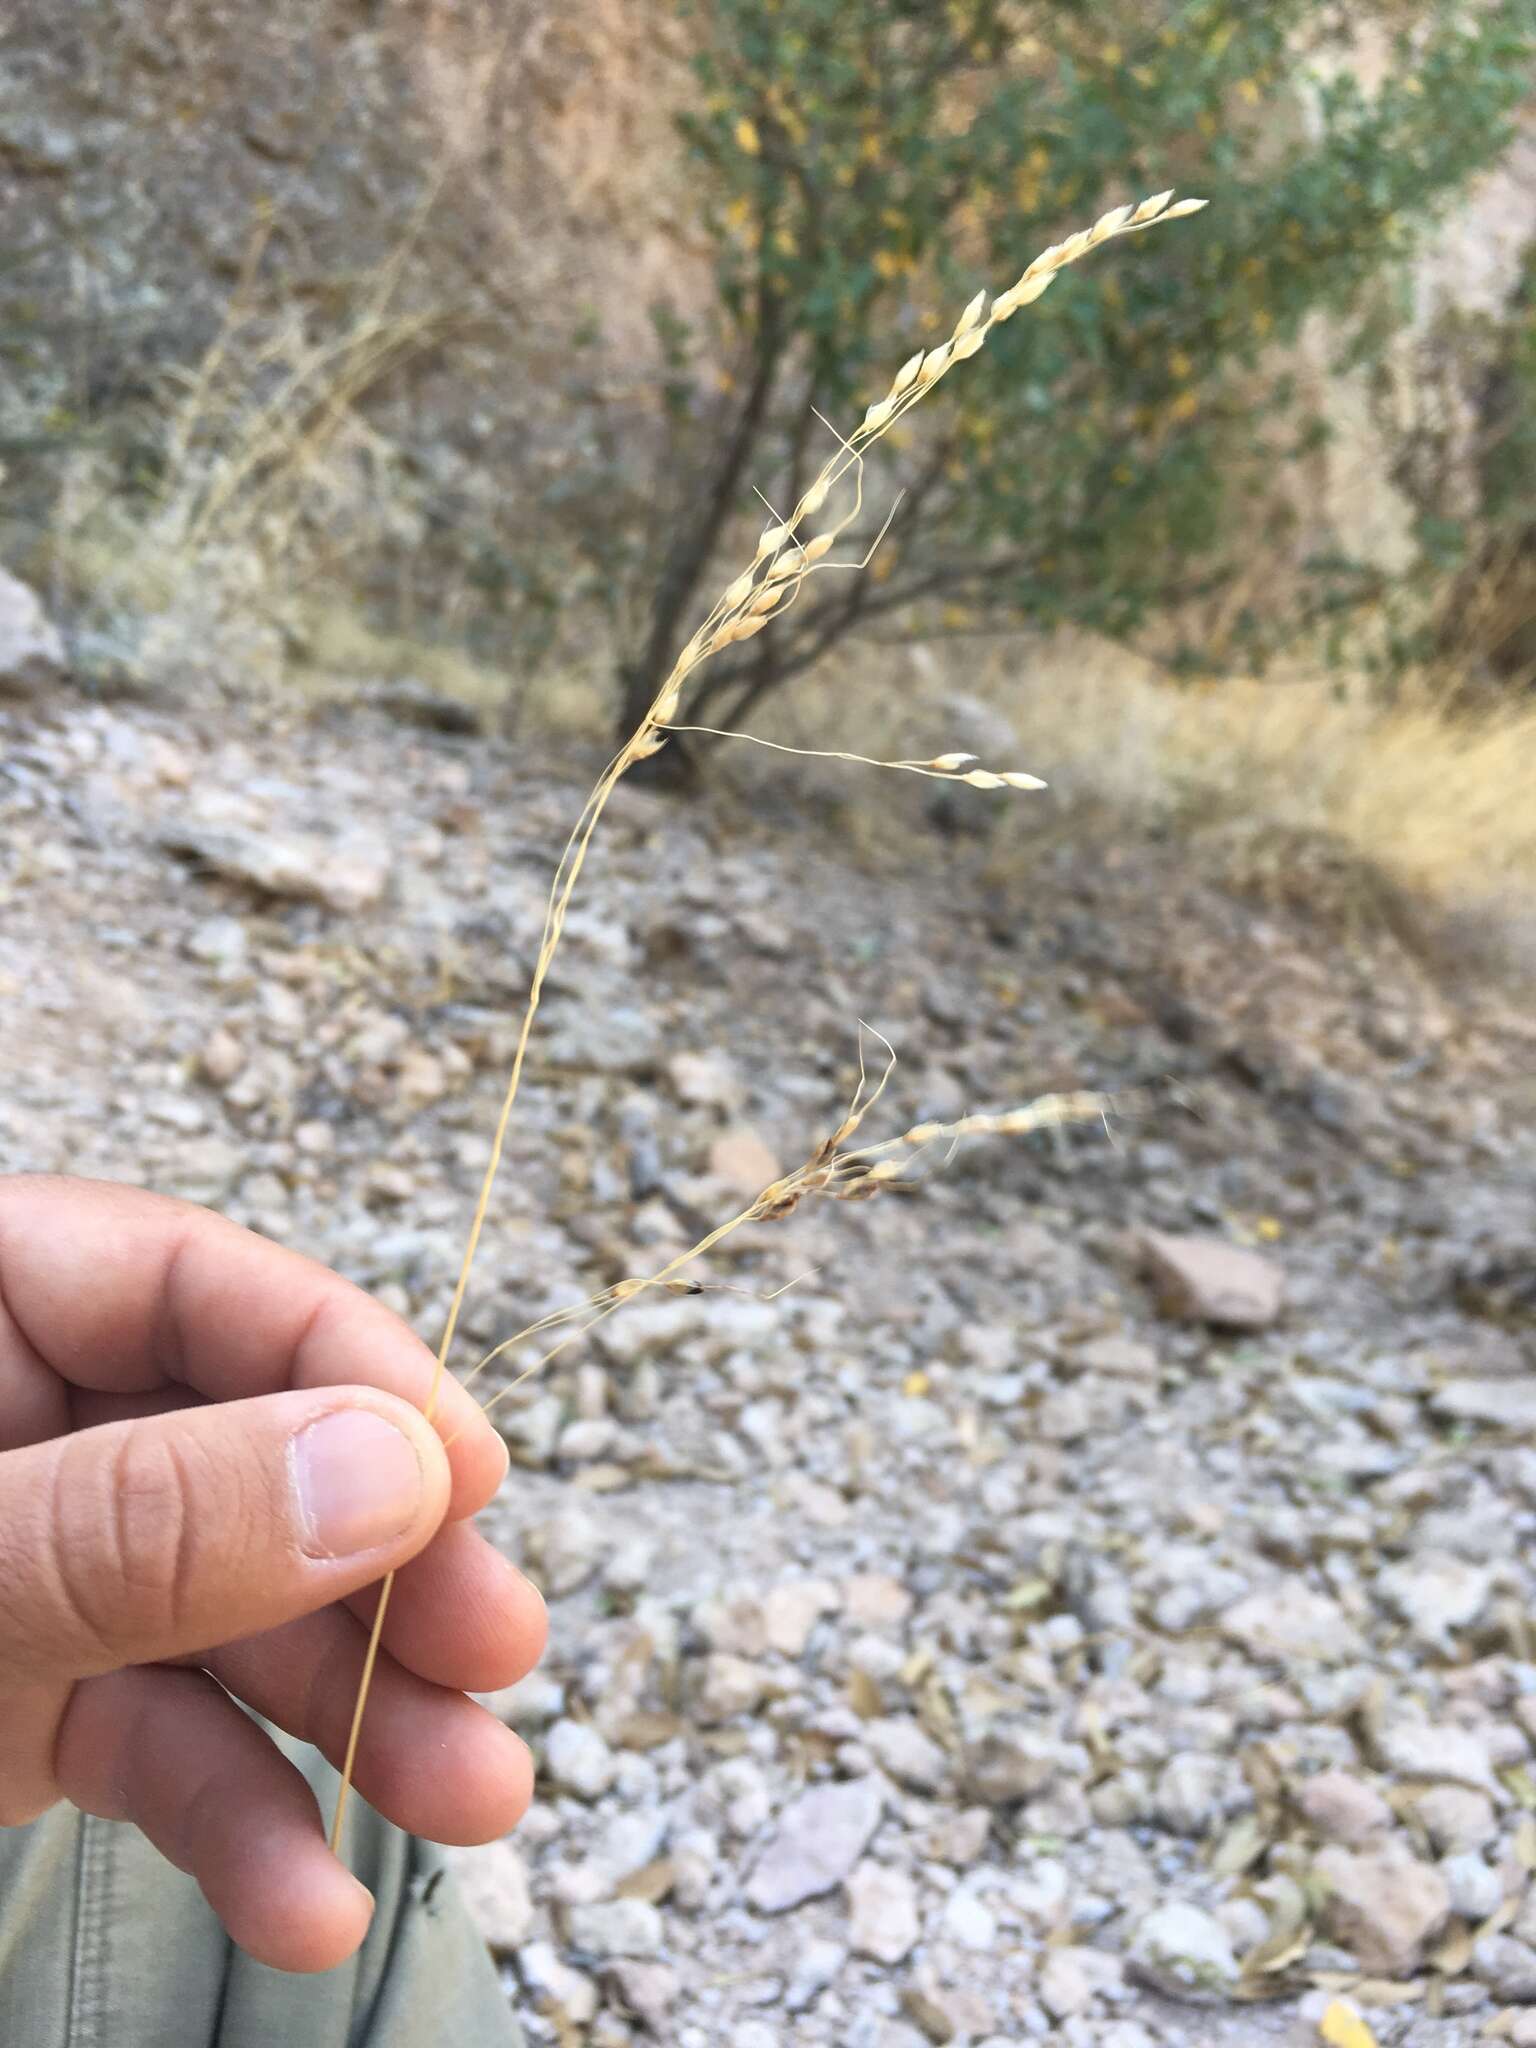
(1024, 293)
(906, 376)
(849, 1177)
(971, 317)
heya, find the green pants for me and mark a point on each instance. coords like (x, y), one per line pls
(103, 1944)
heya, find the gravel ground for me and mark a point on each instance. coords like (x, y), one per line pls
(1090, 1605)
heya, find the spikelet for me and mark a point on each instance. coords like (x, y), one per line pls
(971, 317)
(1024, 293)
(906, 376)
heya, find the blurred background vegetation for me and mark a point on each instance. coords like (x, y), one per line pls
(439, 351)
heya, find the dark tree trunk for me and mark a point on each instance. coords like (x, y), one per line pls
(691, 553)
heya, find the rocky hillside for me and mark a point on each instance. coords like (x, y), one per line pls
(1092, 1603)
(429, 207)
(427, 246)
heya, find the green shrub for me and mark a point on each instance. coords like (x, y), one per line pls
(864, 164)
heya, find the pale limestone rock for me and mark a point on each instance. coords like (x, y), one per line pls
(1184, 1953)
(31, 648)
(882, 1913)
(818, 1841)
(494, 1887)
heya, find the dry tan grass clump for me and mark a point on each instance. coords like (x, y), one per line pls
(786, 556)
(1307, 789)
(1433, 799)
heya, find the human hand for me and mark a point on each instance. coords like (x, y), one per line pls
(211, 1449)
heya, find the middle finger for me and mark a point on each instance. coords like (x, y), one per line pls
(460, 1614)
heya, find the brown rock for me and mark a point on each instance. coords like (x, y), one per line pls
(1015, 1760)
(1340, 1807)
(1382, 1904)
(1207, 1280)
(222, 1056)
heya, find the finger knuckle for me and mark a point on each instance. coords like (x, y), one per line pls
(122, 1550)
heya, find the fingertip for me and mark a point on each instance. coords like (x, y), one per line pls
(439, 1482)
(506, 1788)
(537, 1622)
(316, 1920)
(477, 1452)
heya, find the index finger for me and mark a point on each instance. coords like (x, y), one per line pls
(115, 1290)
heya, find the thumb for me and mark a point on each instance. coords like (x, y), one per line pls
(139, 1541)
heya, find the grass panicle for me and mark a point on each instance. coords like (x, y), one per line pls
(831, 1173)
(786, 556)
